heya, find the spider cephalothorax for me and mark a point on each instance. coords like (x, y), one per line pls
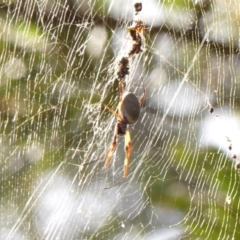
(128, 113)
(122, 128)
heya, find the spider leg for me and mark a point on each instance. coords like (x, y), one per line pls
(128, 150)
(121, 89)
(143, 97)
(113, 112)
(116, 114)
(111, 149)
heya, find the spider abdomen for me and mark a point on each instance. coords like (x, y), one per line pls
(130, 108)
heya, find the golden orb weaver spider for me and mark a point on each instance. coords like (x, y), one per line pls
(127, 114)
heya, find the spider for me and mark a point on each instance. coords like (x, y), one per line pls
(128, 113)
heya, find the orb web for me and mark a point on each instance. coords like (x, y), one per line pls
(59, 68)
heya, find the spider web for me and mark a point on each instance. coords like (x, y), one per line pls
(58, 67)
